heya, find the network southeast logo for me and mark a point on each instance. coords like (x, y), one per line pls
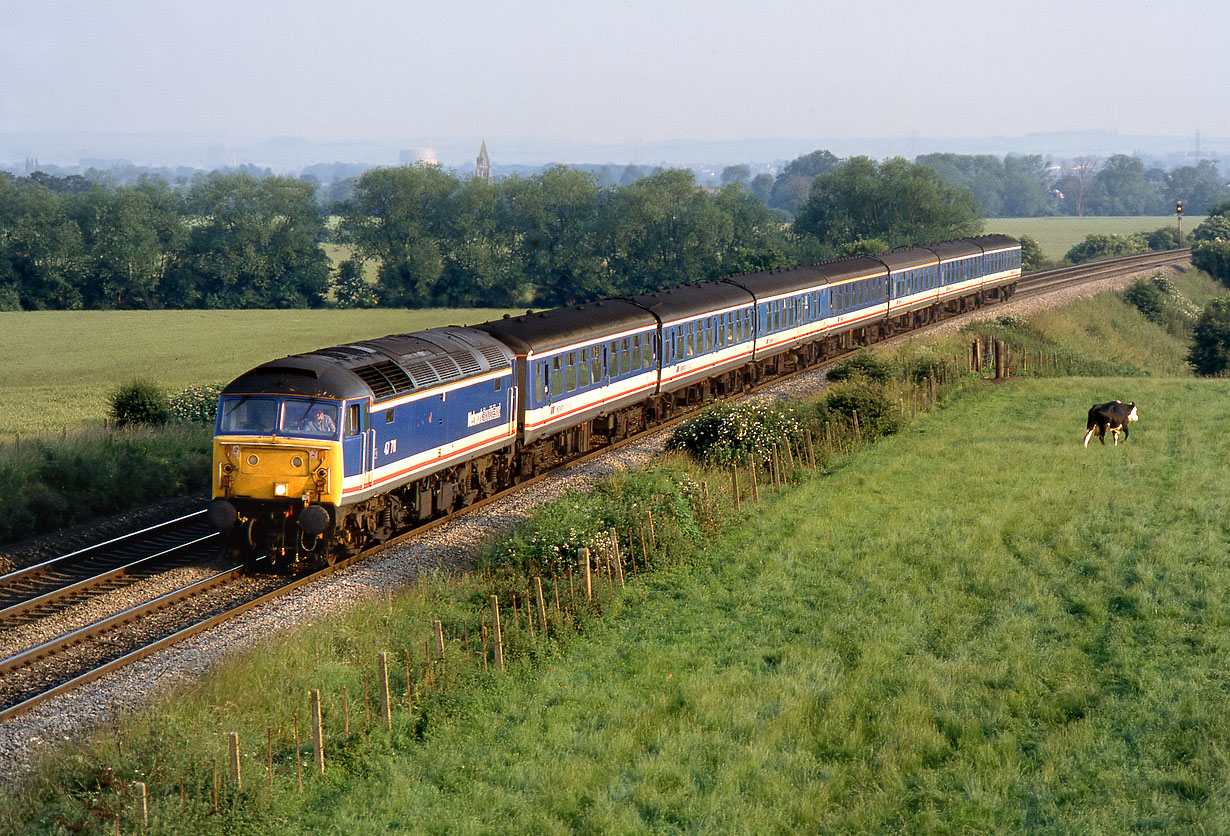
(487, 413)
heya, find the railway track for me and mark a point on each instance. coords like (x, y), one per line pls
(35, 592)
(1047, 281)
(75, 658)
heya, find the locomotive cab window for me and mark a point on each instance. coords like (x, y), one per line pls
(354, 419)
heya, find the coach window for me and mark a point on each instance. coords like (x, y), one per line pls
(570, 372)
(583, 368)
(636, 353)
(557, 376)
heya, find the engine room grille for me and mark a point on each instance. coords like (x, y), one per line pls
(386, 378)
(493, 356)
(466, 362)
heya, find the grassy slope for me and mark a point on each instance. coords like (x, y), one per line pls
(61, 365)
(1058, 235)
(1029, 639)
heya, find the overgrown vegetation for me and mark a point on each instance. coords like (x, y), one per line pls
(51, 483)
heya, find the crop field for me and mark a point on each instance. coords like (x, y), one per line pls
(60, 366)
(1057, 235)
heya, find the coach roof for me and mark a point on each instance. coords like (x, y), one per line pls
(692, 300)
(547, 330)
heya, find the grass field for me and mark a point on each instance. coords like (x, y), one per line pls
(60, 366)
(1059, 234)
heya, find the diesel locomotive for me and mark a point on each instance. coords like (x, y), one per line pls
(319, 455)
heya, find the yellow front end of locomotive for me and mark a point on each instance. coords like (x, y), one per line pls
(308, 471)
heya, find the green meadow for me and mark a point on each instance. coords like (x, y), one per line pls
(1057, 235)
(60, 366)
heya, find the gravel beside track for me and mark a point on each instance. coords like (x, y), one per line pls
(452, 546)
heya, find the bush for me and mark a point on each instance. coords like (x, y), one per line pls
(1210, 351)
(138, 402)
(1166, 238)
(1031, 255)
(864, 364)
(1213, 257)
(195, 405)
(1096, 247)
(1149, 298)
(877, 414)
(548, 543)
(725, 434)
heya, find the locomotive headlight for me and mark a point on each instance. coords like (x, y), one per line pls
(253, 460)
(279, 489)
(296, 462)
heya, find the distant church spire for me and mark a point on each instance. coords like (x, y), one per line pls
(483, 164)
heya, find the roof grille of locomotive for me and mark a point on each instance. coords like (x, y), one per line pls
(493, 356)
(422, 373)
(466, 362)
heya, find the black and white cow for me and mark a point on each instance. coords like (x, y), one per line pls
(1114, 416)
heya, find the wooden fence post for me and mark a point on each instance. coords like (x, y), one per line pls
(440, 639)
(236, 778)
(143, 800)
(542, 605)
(382, 682)
(318, 731)
(734, 485)
(498, 634)
(589, 582)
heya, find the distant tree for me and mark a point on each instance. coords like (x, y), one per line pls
(793, 184)
(252, 242)
(1210, 351)
(350, 288)
(762, 186)
(897, 201)
(1075, 183)
(556, 218)
(396, 219)
(1120, 187)
(738, 174)
(1201, 187)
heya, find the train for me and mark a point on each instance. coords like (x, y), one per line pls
(319, 455)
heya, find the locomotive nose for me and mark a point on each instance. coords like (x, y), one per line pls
(221, 514)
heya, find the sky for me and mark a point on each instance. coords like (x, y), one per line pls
(614, 71)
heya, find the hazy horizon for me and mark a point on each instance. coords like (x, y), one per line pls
(628, 74)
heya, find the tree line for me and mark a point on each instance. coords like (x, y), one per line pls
(416, 236)
(430, 237)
